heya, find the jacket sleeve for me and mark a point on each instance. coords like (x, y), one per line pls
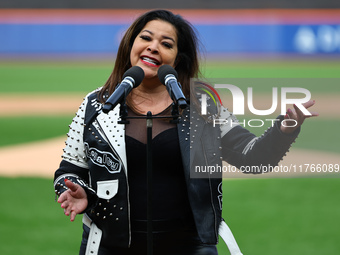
(241, 148)
(74, 165)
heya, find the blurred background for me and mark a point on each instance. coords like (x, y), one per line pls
(85, 27)
(52, 53)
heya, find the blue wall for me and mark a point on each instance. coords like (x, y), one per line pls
(35, 38)
(83, 38)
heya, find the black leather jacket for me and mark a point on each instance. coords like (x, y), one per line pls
(94, 157)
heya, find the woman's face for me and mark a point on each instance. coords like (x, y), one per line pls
(154, 46)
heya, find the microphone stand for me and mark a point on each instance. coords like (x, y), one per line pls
(149, 124)
(149, 181)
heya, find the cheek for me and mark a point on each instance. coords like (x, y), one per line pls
(133, 56)
(172, 59)
(134, 53)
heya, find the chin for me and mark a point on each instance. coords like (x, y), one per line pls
(149, 73)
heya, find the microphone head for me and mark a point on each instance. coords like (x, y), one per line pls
(165, 70)
(136, 73)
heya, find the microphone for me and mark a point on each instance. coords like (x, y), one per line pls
(131, 79)
(168, 76)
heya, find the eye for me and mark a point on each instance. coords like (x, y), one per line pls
(168, 45)
(145, 37)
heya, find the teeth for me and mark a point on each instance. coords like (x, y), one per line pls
(151, 61)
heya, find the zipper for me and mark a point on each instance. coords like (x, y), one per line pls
(211, 199)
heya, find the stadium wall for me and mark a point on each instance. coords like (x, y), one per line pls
(65, 31)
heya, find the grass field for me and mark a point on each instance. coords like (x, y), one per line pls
(84, 76)
(267, 216)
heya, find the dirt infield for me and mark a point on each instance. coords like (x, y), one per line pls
(43, 158)
(39, 104)
(39, 159)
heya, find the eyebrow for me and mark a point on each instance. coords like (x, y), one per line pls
(165, 37)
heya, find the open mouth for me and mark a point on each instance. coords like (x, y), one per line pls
(150, 61)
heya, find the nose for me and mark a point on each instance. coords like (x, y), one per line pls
(153, 47)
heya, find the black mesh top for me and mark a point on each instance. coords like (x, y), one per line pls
(170, 200)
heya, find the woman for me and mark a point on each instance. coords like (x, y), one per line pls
(103, 171)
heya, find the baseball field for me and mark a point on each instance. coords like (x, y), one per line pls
(278, 213)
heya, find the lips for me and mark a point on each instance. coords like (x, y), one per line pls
(150, 61)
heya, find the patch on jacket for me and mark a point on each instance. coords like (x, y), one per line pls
(103, 159)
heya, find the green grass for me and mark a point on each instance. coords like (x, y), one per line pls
(84, 76)
(31, 222)
(50, 78)
(284, 216)
(267, 216)
(22, 129)
(320, 135)
(268, 68)
(316, 134)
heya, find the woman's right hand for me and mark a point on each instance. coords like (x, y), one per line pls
(73, 200)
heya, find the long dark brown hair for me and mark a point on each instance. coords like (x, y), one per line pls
(187, 62)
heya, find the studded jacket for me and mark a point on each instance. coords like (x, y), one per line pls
(95, 158)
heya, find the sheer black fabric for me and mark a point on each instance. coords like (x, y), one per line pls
(170, 199)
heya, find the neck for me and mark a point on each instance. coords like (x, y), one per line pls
(154, 98)
(151, 88)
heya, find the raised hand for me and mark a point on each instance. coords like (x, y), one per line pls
(73, 200)
(297, 115)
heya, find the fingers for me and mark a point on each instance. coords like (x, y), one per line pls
(291, 115)
(296, 113)
(72, 186)
(73, 215)
(62, 198)
(309, 103)
(70, 213)
(66, 200)
(314, 114)
(68, 210)
(64, 204)
(306, 105)
(295, 117)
